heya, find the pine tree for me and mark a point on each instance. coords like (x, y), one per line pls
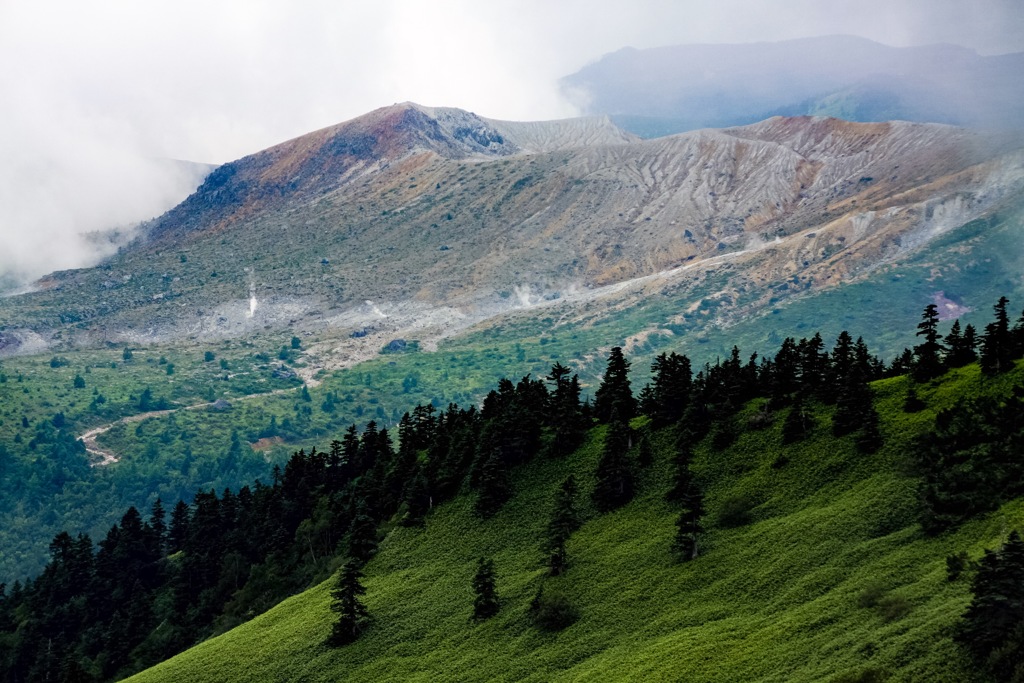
(853, 404)
(996, 613)
(669, 389)
(614, 392)
(565, 416)
(799, 422)
(493, 487)
(353, 617)
(158, 528)
(486, 604)
(565, 519)
(681, 470)
(688, 524)
(614, 487)
(362, 535)
(961, 346)
(928, 354)
(177, 534)
(996, 344)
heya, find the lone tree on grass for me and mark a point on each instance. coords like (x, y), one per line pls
(353, 617)
(565, 519)
(485, 605)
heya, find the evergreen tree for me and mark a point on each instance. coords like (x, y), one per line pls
(996, 614)
(614, 392)
(869, 438)
(485, 604)
(928, 354)
(177, 534)
(996, 343)
(688, 524)
(961, 346)
(681, 470)
(362, 535)
(853, 404)
(669, 389)
(493, 487)
(799, 422)
(614, 487)
(353, 617)
(841, 364)
(565, 519)
(564, 414)
(158, 527)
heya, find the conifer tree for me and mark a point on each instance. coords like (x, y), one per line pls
(853, 404)
(681, 470)
(564, 414)
(353, 617)
(565, 519)
(869, 438)
(669, 389)
(928, 354)
(995, 617)
(493, 487)
(961, 346)
(798, 423)
(178, 531)
(418, 498)
(996, 344)
(614, 487)
(614, 392)
(688, 524)
(158, 528)
(485, 604)
(362, 535)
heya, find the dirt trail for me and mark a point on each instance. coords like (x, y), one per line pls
(108, 457)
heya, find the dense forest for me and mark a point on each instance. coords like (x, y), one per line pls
(162, 580)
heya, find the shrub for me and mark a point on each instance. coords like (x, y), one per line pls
(734, 511)
(551, 611)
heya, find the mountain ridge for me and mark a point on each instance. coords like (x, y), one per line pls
(390, 225)
(685, 87)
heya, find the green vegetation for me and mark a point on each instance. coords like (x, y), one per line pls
(365, 482)
(830, 579)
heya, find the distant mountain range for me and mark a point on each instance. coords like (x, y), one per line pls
(672, 89)
(422, 222)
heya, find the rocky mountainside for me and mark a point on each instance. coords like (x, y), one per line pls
(686, 87)
(422, 221)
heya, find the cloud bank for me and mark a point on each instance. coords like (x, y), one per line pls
(97, 94)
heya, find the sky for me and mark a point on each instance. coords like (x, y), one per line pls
(96, 93)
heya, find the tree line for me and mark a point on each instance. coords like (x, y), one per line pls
(154, 586)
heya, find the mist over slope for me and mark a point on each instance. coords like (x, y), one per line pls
(422, 222)
(686, 87)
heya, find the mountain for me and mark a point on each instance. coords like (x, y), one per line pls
(420, 221)
(665, 90)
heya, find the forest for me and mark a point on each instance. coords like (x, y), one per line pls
(162, 579)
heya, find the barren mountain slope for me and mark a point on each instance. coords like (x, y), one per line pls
(438, 216)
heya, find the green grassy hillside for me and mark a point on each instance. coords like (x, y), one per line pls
(830, 578)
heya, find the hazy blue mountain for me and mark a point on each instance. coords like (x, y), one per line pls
(671, 89)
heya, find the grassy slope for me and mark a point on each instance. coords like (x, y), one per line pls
(776, 600)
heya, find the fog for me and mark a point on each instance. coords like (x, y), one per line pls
(98, 95)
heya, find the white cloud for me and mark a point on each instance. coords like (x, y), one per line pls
(92, 90)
